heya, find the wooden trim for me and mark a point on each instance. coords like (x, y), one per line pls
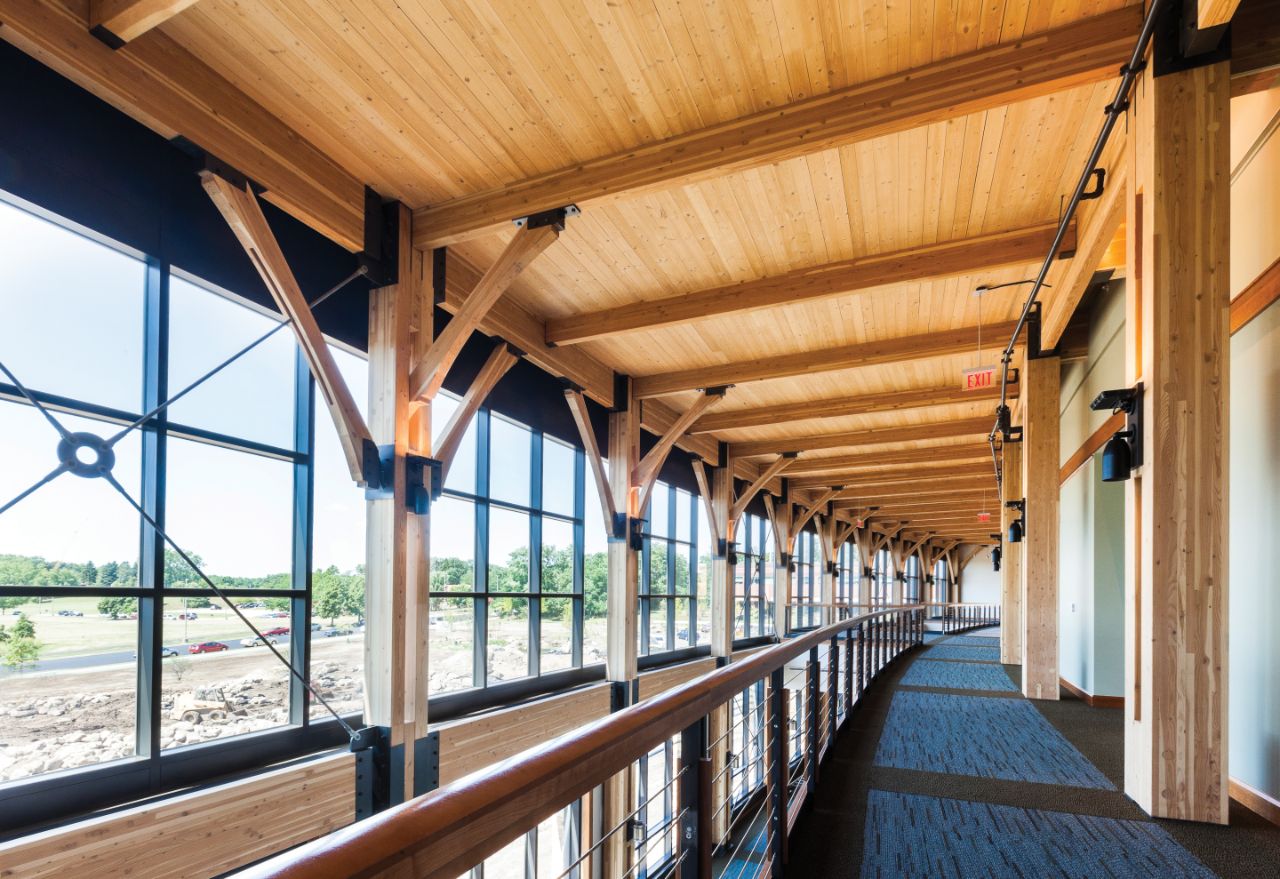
(1256, 298)
(938, 260)
(1096, 440)
(1087, 51)
(1255, 800)
(901, 349)
(1089, 699)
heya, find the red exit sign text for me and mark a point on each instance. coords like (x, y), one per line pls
(979, 379)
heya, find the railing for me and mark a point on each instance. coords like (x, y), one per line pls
(963, 617)
(443, 834)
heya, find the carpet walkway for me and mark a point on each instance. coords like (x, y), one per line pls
(947, 771)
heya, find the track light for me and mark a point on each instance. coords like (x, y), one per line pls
(1018, 527)
(995, 558)
(1123, 452)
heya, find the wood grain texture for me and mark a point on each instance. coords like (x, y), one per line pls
(1041, 379)
(129, 19)
(235, 824)
(1177, 675)
(1011, 562)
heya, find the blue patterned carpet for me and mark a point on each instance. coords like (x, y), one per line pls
(975, 640)
(910, 835)
(957, 675)
(747, 861)
(960, 651)
(983, 736)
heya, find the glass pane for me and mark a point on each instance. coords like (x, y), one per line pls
(251, 398)
(94, 296)
(337, 640)
(232, 512)
(508, 639)
(223, 681)
(453, 545)
(557, 556)
(67, 678)
(659, 504)
(508, 551)
(683, 554)
(557, 477)
(509, 863)
(658, 641)
(557, 634)
(451, 657)
(595, 580)
(556, 844)
(684, 516)
(658, 567)
(73, 531)
(462, 471)
(682, 623)
(510, 461)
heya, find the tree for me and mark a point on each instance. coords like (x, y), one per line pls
(335, 594)
(20, 645)
(450, 573)
(23, 628)
(89, 574)
(108, 574)
(117, 606)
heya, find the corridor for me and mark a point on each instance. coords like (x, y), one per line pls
(949, 771)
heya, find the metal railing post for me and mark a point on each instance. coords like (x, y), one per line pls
(833, 687)
(813, 669)
(848, 673)
(695, 802)
(776, 773)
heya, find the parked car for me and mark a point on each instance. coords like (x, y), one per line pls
(187, 615)
(208, 647)
(255, 642)
(70, 613)
(279, 615)
(315, 627)
(330, 633)
(166, 652)
(278, 630)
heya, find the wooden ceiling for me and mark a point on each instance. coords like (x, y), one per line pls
(796, 199)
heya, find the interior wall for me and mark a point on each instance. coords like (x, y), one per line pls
(1091, 521)
(1254, 590)
(979, 584)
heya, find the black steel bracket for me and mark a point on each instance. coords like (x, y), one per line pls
(381, 253)
(426, 763)
(1128, 401)
(554, 218)
(424, 477)
(1034, 351)
(623, 694)
(1099, 185)
(1179, 43)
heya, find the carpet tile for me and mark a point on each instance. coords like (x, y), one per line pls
(961, 651)
(957, 675)
(988, 737)
(974, 640)
(909, 835)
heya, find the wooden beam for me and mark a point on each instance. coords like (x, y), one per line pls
(578, 407)
(930, 261)
(868, 437)
(168, 89)
(647, 470)
(1211, 13)
(901, 349)
(812, 510)
(1041, 378)
(853, 478)
(126, 20)
(704, 492)
(500, 360)
(891, 401)
(241, 211)
(527, 243)
(782, 462)
(1011, 563)
(1086, 51)
(1070, 283)
(1255, 47)
(905, 458)
(1255, 298)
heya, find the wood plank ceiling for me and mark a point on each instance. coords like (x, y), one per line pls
(434, 101)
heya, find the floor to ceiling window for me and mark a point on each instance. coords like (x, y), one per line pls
(882, 578)
(753, 614)
(847, 574)
(668, 576)
(911, 586)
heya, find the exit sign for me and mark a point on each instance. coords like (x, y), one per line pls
(979, 379)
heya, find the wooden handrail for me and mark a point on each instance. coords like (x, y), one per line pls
(442, 834)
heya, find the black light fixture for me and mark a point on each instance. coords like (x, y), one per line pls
(995, 558)
(1018, 527)
(1123, 451)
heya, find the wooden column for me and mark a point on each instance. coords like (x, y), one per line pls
(1011, 563)
(1041, 380)
(866, 558)
(395, 592)
(1176, 510)
(623, 600)
(783, 513)
(899, 567)
(721, 585)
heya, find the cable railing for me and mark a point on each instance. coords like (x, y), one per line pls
(443, 834)
(964, 617)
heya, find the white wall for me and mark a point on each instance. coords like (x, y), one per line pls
(978, 583)
(1253, 754)
(1091, 521)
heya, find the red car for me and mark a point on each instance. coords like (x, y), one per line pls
(207, 647)
(278, 630)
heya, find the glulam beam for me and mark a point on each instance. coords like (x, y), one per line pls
(934, 261)
(126, 20)
(899, 458)
(1087, 51)
(866, 437)
(902, 349)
